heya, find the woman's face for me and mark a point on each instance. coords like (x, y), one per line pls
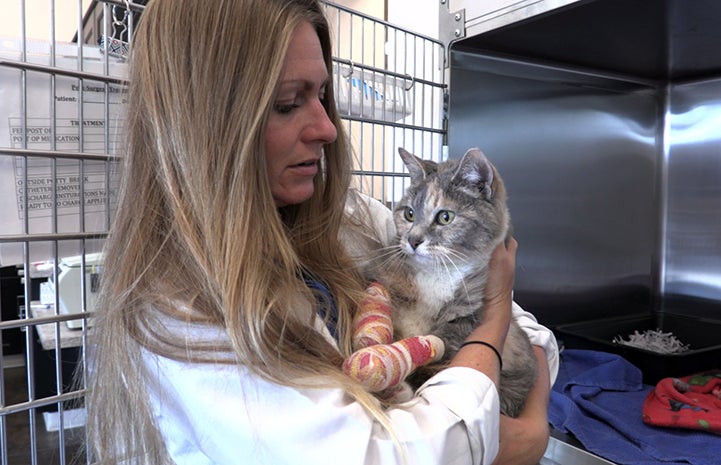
(298, 125)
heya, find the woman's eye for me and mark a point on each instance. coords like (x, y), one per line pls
(285, 108)
(444, 217)
(408, 214)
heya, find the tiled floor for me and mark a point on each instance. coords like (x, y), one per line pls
(19, 428)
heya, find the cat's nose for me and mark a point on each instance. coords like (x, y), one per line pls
(415, 242)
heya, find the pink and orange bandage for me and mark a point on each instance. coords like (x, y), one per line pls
(379, 363)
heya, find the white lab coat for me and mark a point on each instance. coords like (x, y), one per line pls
(224, 414)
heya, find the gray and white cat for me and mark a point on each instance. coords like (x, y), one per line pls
(449, 221)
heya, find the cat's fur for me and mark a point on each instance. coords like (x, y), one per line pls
(437, 273)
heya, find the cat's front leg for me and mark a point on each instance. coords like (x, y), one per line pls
(384, 366)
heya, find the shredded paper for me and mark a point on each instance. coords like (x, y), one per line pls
(655, 341)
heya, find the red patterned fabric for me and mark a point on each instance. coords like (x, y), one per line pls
(692, 402)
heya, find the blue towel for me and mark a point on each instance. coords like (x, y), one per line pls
(598, 398)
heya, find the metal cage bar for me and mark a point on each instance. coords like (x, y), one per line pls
(62, 90)
(60, 114)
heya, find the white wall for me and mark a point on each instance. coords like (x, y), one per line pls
(375, 8)
(417, 15)
(38, 18)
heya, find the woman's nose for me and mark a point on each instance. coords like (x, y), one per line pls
(321, 126)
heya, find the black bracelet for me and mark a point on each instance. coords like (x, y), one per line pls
(490, 346)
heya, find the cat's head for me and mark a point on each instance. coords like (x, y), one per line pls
(454, 210)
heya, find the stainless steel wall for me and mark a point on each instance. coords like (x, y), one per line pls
(614, 183)
(692, 234)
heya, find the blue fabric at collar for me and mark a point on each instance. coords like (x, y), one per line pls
(326, 304)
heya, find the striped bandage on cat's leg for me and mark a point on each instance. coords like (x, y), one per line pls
(380, 364)
(372, 324)
(384, 366)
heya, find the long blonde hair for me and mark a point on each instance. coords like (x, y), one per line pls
(197, 237)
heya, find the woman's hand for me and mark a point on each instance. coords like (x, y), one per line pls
(501, 273)
(523, 440)
(497, 304)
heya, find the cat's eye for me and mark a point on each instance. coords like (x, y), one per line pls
(409, 214)
(445, 217)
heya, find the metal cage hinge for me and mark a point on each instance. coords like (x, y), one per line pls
(451, 27)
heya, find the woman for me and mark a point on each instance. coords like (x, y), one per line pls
(211, 348)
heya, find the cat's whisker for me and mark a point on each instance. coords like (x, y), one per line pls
(389, 251)
(458, 270)
(452, 253)
(465, 290)
(442, 261)
(390, 259)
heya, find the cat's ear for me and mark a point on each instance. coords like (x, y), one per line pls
(416, 166)
(475, 169)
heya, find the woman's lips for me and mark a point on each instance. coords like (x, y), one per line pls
(307, 168)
